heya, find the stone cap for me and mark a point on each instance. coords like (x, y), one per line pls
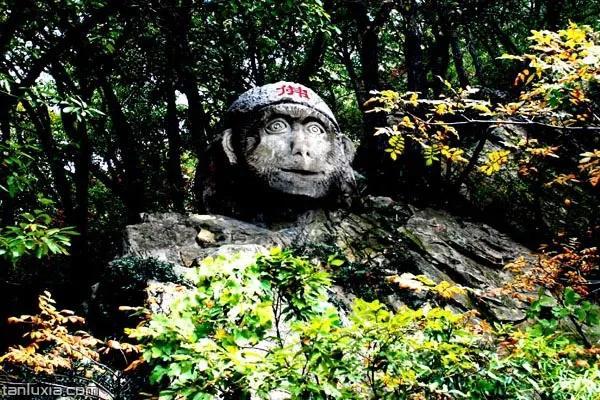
(281, 93)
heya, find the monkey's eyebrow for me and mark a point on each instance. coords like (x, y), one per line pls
(285, 110)
(274, 116)
(312, 118)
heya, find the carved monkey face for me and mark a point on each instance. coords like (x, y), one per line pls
(292, 148)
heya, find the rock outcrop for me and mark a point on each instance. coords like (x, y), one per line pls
(283, 166)
(381, 239)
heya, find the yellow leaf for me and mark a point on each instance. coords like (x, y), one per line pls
(407, 123)
(495, 160)
(442, 109)
(448, 291)
(481, 107)
(413, 100)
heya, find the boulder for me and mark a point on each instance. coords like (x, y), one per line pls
(380, 239)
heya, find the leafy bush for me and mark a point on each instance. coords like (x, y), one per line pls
(31, 234)
(263, 325)
(212, 341)
(55, 356)
(131, 275)
(124, 283)
(559, 91)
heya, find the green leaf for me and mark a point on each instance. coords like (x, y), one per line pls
(336, 262)
(51, 245)
(581, 314)
(560, 312)
(593, 316)
(570, 296)
(547, 301)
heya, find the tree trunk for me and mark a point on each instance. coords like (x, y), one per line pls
(416, 79)
(6, 104)
(79, 253)
(504, 39)
(314, 57)
(7, 212)
(457, 57)
(174, 175)
(39, 117)
(231, 80)
(440, 60)
(474, 53)
(78, 134)
(134, 192)
(177, 22)
(553, 15)
(253, 55)
(370, 153)
(347, 61)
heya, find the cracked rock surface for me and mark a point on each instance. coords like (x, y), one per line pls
(380, 239)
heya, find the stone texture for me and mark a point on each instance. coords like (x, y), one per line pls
(280, 92)
(281, 143)
(382, 238)
(283, 166)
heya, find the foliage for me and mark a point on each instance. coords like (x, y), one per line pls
(52, 346)
(31, 234)
(263, 326)
(557, 267)
(125, 283)
(558, 88)
(131, 274)
(58, 357)
(561, 75)
(79, 108)
(211, 340)
(17, 163)
(50, 332)
(566, 280)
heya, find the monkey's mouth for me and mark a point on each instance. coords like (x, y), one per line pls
(303, 172)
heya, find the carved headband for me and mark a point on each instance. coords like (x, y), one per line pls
(281, 93)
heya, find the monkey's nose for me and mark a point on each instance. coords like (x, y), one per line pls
(301, 146)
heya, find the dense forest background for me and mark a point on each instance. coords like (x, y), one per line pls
(487, 109)
(107, 106)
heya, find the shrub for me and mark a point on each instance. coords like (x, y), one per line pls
(264, 325)
(56, 356)
(123, 284)
(128, 277)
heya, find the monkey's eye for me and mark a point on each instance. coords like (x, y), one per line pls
(314, 128)
(278, 125)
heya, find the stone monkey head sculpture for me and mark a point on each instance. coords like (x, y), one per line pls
(283, 141)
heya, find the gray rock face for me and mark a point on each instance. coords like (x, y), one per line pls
(282, 150)
(280, 92)
(382, 239)
(282, 143)
(181, 240)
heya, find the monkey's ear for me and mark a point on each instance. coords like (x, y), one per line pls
(227, 143)
(348, 148)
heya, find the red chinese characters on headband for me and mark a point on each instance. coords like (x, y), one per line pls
(292, 90)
